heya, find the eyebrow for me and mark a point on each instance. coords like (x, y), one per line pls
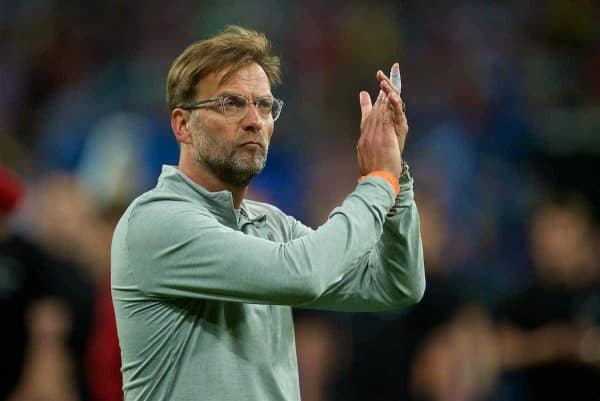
(231, 93)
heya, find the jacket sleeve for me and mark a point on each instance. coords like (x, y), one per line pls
(166, 249)
(392, 274)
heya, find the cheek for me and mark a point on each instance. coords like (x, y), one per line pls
(221, 129)
(269, 131)
(213, 130)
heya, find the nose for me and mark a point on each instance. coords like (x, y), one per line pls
(252, 120)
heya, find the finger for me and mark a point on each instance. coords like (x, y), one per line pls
(399, 114)
(397, 105)
(379, 110)
(387, 88)
(380, 98)
(367, 121)
(395, 77)
(389, 125)
(387, 114)
(383, 78)
(388, 117)
(365, 106)
(372, 120)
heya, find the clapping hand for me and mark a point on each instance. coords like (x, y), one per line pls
(378, 148)
(391, 87)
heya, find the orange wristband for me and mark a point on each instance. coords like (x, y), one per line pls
(386, 176)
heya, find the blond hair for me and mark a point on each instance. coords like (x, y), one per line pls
(233, 48)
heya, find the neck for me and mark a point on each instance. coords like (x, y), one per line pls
(212, 183)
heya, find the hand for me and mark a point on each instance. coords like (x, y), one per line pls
(378, 148)
(398, 106)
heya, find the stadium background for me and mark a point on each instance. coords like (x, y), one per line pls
(504, 112)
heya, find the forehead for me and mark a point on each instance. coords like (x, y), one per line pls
(250, 80)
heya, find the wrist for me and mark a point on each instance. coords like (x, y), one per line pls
(386, 175)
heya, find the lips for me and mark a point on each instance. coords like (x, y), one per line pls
(252, 143)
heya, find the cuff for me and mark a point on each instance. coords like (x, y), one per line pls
(406, 196)
(390, 178)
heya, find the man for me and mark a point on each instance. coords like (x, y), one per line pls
(203, 280)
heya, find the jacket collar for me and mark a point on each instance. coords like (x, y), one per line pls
(219, 203)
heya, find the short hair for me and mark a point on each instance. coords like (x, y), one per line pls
(235, 47)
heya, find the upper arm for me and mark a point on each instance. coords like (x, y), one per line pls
(297, 229)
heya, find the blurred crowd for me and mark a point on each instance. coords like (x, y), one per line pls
(503, 102)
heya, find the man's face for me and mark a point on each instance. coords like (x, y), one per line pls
(234, 150)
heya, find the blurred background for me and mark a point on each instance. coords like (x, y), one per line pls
(504, 111)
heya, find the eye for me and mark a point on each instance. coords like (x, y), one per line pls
(234, 102)
(265, 104)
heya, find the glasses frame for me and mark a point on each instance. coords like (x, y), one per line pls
(221, 100)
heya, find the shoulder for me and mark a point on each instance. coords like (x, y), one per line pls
(156, 203)
(155, 211)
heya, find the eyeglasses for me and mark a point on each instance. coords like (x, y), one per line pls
(236, 106)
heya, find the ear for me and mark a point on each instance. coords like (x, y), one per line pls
(180, 120)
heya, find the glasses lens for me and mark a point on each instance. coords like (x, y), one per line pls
(235, 106)
(265, 106)
(276, 109)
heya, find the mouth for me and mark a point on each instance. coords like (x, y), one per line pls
(252, 144)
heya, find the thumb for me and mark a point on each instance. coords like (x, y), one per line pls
(365, 106)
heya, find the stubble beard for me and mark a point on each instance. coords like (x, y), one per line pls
(236, 168)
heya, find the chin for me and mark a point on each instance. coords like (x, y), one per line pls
(243, 171)
(251, 171)
(251, 163)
